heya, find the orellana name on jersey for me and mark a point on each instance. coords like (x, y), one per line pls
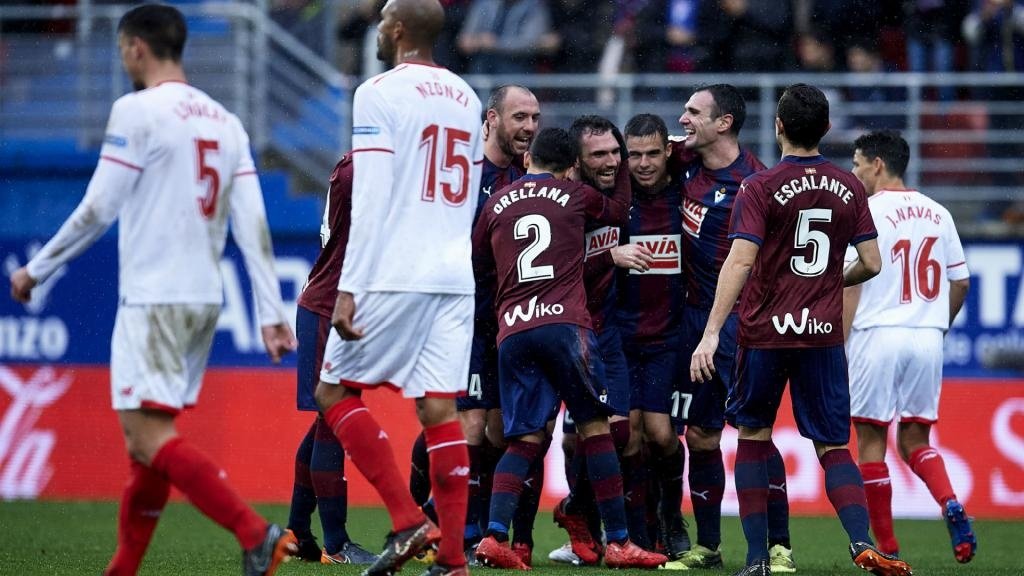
(665, 251)
(693, 216)
(601, 240)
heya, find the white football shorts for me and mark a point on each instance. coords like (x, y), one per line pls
(159, 353)
(895, 371)
(417, 343)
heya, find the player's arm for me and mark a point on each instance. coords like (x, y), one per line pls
(731, 280)
(851, 299)
(373, 158)
(249, 228)
(867, 266)
(956, 270)
(112, 183)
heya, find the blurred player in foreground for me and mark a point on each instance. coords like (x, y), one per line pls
(790, 229)
(898, 320)
(174, 165)
(404, 308)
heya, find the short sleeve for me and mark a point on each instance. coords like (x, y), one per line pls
(125, 139)
(749, 213)
(956, 263)
(372, 124)
(864, 228)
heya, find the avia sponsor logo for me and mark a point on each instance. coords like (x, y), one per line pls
(534, 309)
(693, 216)
(806, 325)
(665, 249)
(601, 240)
(25, 450)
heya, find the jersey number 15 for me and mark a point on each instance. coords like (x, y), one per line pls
(452, 160)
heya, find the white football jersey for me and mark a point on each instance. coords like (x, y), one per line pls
(417, 156)
(173, 166)
(921, 254)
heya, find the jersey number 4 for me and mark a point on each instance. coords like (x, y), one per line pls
(207, 174)
(452, 160)
(923, 273)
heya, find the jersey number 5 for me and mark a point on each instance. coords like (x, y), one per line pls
(816, 239)
(453, 159)
(208, 174)
(927, 271)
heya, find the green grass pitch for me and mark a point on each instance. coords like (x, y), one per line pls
(48, 538)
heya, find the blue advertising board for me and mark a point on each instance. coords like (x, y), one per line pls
(72, 314)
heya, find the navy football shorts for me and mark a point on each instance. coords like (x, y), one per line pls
(616, 370)
(818, 385)
(543, 366)
(311, 330)
(704, 404)
(482, 389)
(652, 375)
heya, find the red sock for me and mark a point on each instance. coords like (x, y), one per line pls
(927, 463)
(368, 447)
(878, 489)
(142, 502)
(449, 473)
(205, 485)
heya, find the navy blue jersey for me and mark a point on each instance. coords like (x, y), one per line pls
(651, 303)
(708, 198)
(494, 178)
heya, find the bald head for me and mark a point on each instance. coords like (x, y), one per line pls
(422, 20)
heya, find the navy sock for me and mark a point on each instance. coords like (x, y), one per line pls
(529, 501)
(509, 476)
(327, 468)
(419, 474)
(778, 500)
(634, 493)
(303, 497)
(472, 531)
(845, 489)
(606, 480)
(752, 492)
(707, 484)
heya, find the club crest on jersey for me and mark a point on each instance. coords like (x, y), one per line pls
(720, 195)
(665, 250)
(693, 216)
(601, 240)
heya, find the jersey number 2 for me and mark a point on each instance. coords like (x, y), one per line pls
(541, 231)
(926, 271)
(207, 174)
(452, 160)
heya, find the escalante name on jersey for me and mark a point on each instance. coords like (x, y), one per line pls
(427, 89)
(812, 182)
(529, 190)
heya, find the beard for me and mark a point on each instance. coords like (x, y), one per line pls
(505, 143)
(385, 51)
(138, 85)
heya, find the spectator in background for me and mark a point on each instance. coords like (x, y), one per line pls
(641, 24)
(816, 53)
(506, 36)
(446, 51)
(682, 36)
(930, 27)
(995, 31)
(304, 19)
(746, 35)
(581, 43)
(864, 58)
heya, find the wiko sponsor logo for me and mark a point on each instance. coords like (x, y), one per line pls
(24, 449)
(533, 310)
(807, 324)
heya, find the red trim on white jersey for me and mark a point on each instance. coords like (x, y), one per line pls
(955, 265)
(150, 405)
(121, 162)
(389, 73)
(245, 173)
(386, 150)
(171, 82)
(365, 386)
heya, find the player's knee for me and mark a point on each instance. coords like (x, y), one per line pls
(702, 439)
(327, 395)
(433, 411)
(472, 426)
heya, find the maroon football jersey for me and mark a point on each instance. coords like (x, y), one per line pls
(321, 288)
(803, 213)
(531, 233)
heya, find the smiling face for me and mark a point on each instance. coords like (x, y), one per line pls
(600, 159)
(516, 124)
(648, 160)
(700, 120)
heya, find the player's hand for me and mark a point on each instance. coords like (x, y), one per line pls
(279, 340)
(22, 285)
(633, 257)
(702, 364)
(344, 312)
